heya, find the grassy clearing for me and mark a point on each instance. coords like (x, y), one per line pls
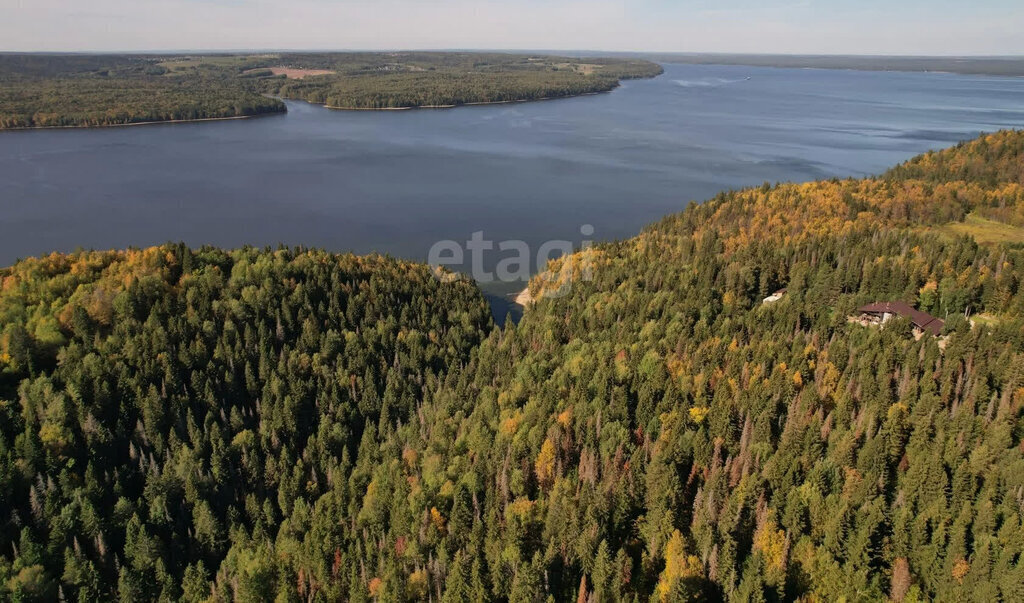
(583, 68)
(985, 320)
(180, 65)
(983, 230)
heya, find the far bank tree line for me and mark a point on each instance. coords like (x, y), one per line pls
(82, 90)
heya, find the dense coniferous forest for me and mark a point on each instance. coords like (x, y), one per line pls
(298, 426)
(83, 90)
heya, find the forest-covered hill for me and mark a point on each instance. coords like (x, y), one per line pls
(300, 426)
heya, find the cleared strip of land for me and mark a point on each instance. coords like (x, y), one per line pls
(298, 74)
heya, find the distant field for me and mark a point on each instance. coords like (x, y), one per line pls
(983, 230)
(298, 74)
(185, 64)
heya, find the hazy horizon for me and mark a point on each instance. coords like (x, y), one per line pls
(566, 51)
(800, 27)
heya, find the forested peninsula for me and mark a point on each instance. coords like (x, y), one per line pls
(295, 425)
(43, 90)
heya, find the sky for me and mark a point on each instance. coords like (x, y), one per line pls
(915, 27)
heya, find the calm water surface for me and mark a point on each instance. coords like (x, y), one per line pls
(397, 182)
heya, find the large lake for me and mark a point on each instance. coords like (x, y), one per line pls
(399, 181)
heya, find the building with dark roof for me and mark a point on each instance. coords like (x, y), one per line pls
(922, 321)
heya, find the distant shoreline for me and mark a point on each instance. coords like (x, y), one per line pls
(457, 105)
(980, 66)
(269, 113)
(142, 123)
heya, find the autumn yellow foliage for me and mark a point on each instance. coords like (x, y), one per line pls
(679, 565)
(437, 519)
(960, 570)
(771, 543)
(545, 464)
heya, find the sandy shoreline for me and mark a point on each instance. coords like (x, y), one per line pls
(389, 108)
(474, 104)
(364, 108)
(141, 123)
